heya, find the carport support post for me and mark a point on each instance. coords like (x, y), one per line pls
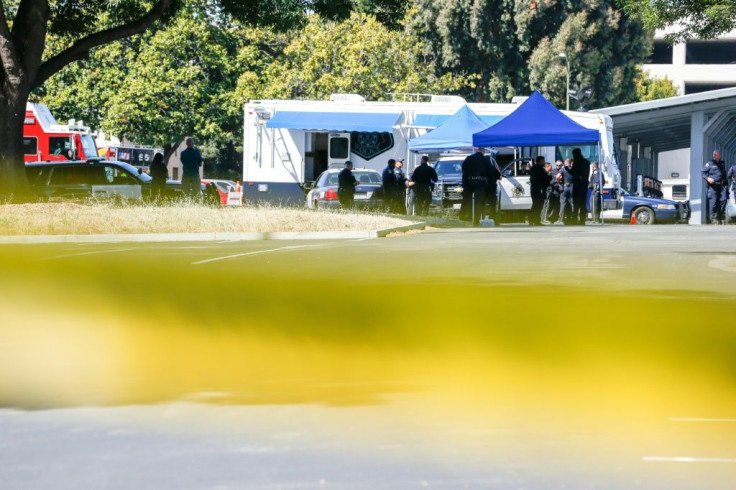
(697, 201)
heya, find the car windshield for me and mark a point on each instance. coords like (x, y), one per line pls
(449, 167)
(362, 176)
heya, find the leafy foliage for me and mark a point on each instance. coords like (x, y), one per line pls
(513, 46)
(359, 55)
(653, 88)
(703, 19)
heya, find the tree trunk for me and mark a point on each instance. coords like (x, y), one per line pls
(13, 184)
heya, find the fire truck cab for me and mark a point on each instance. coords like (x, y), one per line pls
(46, 140)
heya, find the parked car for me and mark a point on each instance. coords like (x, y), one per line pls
(368, 193)
(90, 178)
(223, 187)
(648, 210)
(448, 191)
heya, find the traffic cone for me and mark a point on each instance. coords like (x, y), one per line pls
(633, 219)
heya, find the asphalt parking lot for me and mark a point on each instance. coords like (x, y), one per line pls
(510, 357)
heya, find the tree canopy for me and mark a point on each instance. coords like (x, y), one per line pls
(686, 19)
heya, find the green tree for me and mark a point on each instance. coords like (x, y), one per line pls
(603, 47)
(178, 85)
(513, 46)
(648, 88)
(703, 19)
(359, 55)
(475, 39)
(25, 26)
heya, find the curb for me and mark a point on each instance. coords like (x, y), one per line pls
(209, 237)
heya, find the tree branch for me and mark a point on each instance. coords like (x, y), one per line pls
(81, 48)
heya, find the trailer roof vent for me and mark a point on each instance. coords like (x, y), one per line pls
(447, 99)
(519, 99)
(346, 98)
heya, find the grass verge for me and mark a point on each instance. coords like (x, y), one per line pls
(95, 217)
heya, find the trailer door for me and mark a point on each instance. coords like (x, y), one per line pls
(339, 149)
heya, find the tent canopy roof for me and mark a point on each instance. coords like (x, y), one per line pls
(455, 132)
(536, 122)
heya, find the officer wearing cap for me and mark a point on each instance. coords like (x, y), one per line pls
(714, 174)
(346, 183)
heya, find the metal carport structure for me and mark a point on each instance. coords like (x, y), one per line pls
(703, 122)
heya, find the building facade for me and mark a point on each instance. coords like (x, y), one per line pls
(697, 65)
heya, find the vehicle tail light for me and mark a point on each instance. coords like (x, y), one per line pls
(330, 194)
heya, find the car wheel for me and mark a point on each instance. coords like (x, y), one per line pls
(644, 216)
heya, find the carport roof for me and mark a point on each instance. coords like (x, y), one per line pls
(664, 124)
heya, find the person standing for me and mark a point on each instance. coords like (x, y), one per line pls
(401, 181)
(346, 183)
(422, 180)
(714, 174)
(191, 161)
(581, 174)
(538, 183)
(554, 191)
(390, 185)
(475, 180)
(565, 178)
(159, 174)
(594, 184)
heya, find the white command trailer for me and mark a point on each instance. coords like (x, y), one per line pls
(288, 143)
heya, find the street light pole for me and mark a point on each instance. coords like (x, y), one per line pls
(567, 91)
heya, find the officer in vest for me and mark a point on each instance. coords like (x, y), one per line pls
(714, 174)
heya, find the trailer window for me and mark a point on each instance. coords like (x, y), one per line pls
(60, 146)
(30, 146)
(679, 192)
(339, 148)
(589, 152)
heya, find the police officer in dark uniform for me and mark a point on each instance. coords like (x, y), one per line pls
(401, 180)
(714, 173)
(390, 185)
(346, 183)
(475, 180)
(423, 180)
(566, 178)
(594, 184)
(581, 173)
(553, 193)
(538, 183)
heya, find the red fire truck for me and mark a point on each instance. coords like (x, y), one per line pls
(45, 140)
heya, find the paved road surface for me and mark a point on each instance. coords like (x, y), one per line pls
(597, 357)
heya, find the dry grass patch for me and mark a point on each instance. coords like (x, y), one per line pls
(110, 218)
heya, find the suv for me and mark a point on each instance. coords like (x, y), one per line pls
(448, 191)
(92, 178)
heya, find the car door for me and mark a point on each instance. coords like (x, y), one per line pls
(67, 182)
(514, 189)
(111, 180)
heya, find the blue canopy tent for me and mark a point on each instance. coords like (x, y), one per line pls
(536, 122)
(455, 132)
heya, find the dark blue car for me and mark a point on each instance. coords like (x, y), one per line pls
(647, 210)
